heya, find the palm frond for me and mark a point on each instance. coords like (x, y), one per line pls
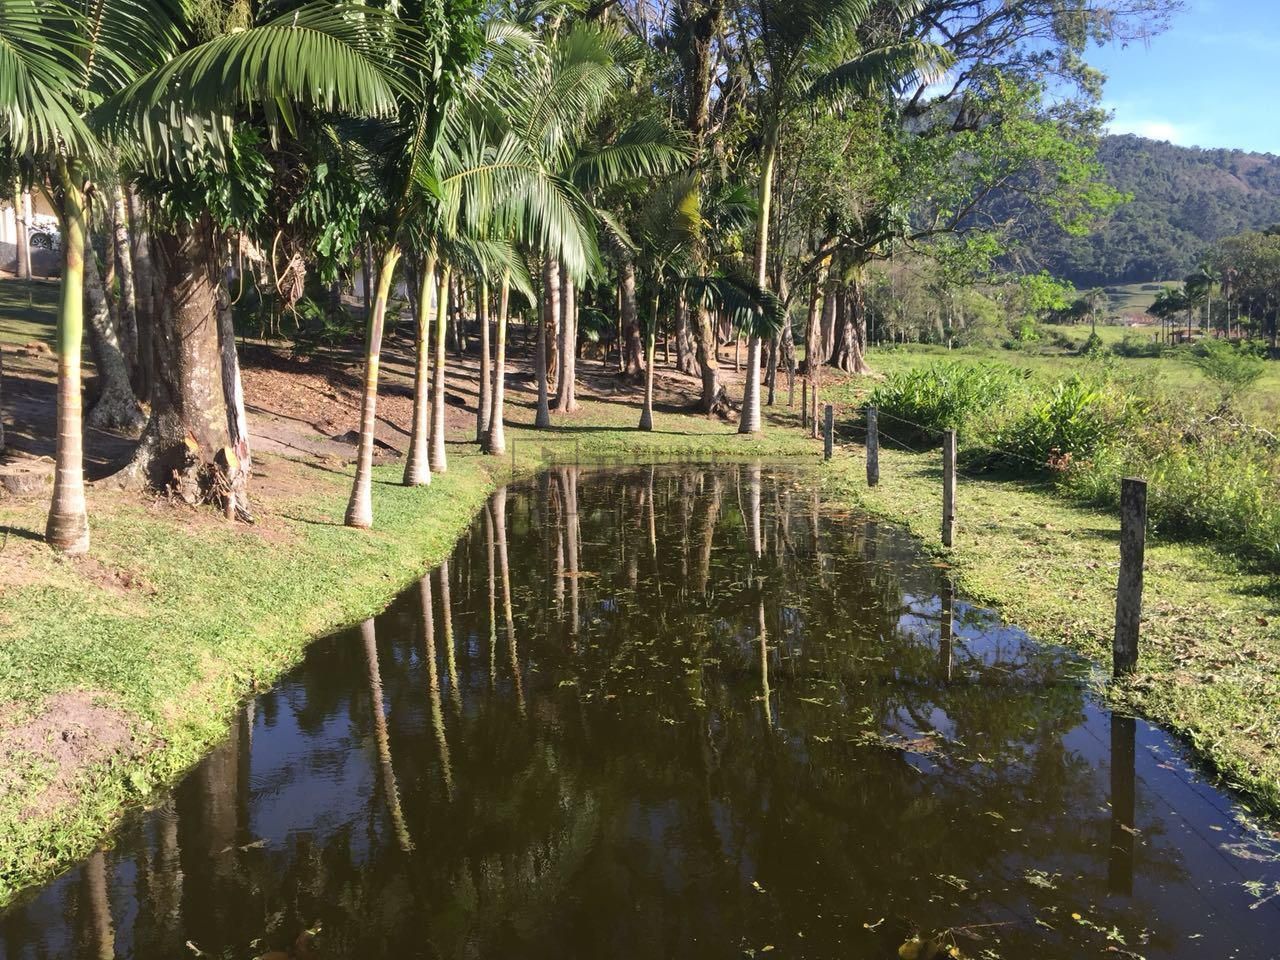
(38, 74)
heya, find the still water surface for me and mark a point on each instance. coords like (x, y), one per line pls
(680, 712)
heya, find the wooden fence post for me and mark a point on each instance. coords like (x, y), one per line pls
(1133, 549)
(948, 488)
(804, 403)
(873, 446)
(828, 432)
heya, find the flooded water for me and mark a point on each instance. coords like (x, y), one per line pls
(682, 712)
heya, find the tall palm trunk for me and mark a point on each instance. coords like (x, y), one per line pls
(439, 462)
(550, 308)
(68, 526)
(750, 419)
(360, 506)
(708, 361)
(127, 313)
(650, 346)
(116, 407)
(21, 217)
(496, 440)
(814, 360)
(566, 401)
(484, 403)
(417, 470)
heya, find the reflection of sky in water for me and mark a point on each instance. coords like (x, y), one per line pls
(624, 794)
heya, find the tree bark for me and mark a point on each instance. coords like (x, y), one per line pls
(116, 407)
(439, 460)
(144, 282)
(550, 311)
(851, 349)
(237, 461)
(484, 404)
(651, 342)
(188, 428)
(68, 525)
(633, 365)
(417, 469)
(566, 401)
(496, 441)
(686, 348)
(21, 219)
(814, 360)
(712, 399)
(128, 309)
(360, 507)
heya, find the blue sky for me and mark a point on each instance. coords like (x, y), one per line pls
(1211, 80)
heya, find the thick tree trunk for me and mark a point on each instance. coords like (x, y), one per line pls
(496, 441)
(144, 282)
(712, 399)
(851, 350)
(188, 429)
(651, 342)
(550, 310)
(633, 350)
(828, 342)
(439, 460)
(566, 401)
(360, 507)
(68, 525)
(417, 468)
(116, 407)
(484, 405)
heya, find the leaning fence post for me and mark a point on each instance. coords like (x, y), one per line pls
(828, 432)
(804, 403)
(873, 446)
(1133, 549)
(948, 488)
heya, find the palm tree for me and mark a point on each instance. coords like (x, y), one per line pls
(72, 73)
(797, 40)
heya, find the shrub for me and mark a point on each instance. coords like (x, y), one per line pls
(941, 396)
(1136, 346)
(1092, 346)
(1071, 420)
(1232, 369)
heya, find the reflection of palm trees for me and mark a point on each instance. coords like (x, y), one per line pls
(493, 620)
(499, 508)
(569, 487)
(709, 521)
(369, 636)
(764, 658)
(446, 619)
(99, 930)
(433, 682)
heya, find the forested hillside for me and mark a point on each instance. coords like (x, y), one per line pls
(1184, 199)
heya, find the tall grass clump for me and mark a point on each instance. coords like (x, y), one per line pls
(928, 400)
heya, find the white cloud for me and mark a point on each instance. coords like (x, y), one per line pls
(1154, 130)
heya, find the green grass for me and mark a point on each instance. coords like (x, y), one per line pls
(1131, 298)
(27, 310)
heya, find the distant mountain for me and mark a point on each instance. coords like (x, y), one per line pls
(1184, 199)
